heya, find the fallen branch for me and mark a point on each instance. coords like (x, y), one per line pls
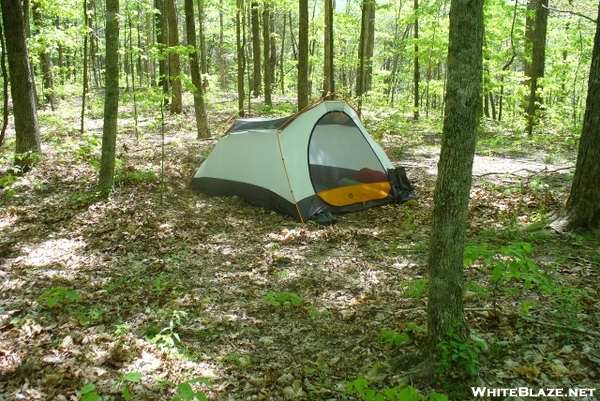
(533, 172)
(562, 326)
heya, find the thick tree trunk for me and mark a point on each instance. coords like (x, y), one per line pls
(583, 205)
(111, 99)
(27, 131)
(302, 54)
(199, 106)
(174, 64)
(451, 198)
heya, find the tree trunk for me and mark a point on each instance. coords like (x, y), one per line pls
(174, 64)
(365, 50)
(241, 62)
(163, 43)
(199, 106)
(222, 65)
(416, 71)
(302, 54)
(85, 79)
(282, 55)
(536, 40)
(451, 198)
(45, 63)
(256, 76)
(201, 35)
(583, 205)
(328, 69)
(111, 99)
(27, 131)
(4, 86)
(267, 53)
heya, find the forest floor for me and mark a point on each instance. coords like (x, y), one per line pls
(157, 286)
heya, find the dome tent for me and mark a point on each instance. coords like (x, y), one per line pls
(319, 160)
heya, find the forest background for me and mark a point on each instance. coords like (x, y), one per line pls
(130, 286)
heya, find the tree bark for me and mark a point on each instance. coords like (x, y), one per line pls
(583, 205)
(27, 131)
(111, 99)
(174, 64)
(199, 105)
(302, 54)
(451, 198)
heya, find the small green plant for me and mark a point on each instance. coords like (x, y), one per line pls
(7, 182)
(415, 289)
(135, 175)
(392, 338)
(185, 391)
(317, 314)
(58, 295)
(168, 337)
(282, 298)
(361, 387)
(458, 352)
(131, 377)
(507, 263)
(88, 393)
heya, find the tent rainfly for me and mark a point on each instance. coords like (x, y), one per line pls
(320, 160)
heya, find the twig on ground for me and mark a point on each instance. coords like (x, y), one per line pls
(562, 326)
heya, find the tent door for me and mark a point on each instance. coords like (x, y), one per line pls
(344, 169)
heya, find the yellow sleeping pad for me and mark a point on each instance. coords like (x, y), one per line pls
(351, 194)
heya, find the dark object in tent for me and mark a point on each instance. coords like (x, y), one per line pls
(313, 163)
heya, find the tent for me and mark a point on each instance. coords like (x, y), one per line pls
(320, 160)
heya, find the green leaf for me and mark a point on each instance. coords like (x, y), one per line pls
(497, 273)
(408, 393)
(126, 393)
(91, 397)
(201, 396)
(202, 380)
(185, 391)
(72, 295)
(88, 388)
(133, 377)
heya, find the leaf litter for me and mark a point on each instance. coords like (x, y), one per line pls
(179, 289)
